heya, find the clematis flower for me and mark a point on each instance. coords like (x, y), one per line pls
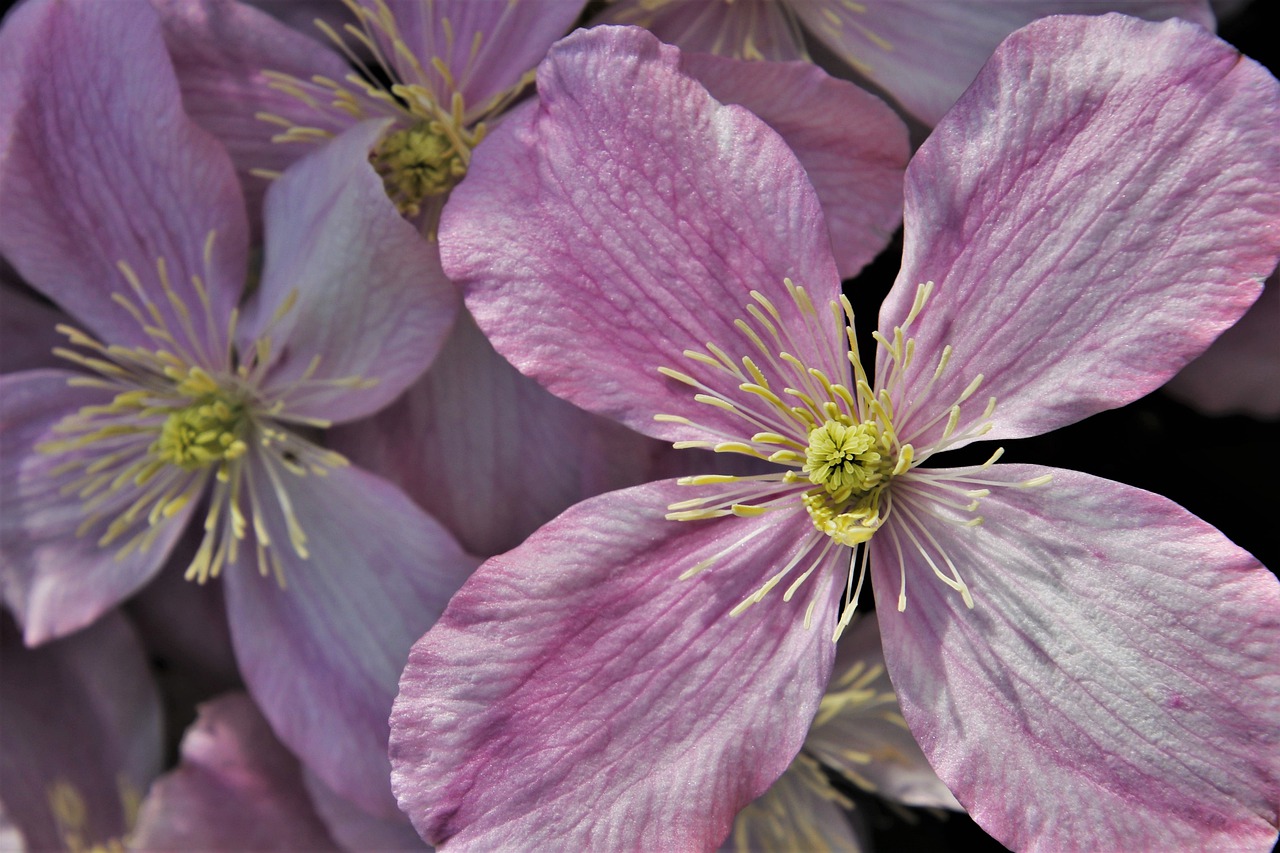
(922, 53)
(1086, 665)
(858, 735)
(81, 737)
(192, 409)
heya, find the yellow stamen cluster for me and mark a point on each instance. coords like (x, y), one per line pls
(852, 463)
(418, 162)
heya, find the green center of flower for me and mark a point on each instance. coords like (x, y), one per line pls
(208, 431)
(851, 463)
(419, 162)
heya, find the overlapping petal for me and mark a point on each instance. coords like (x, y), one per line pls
(235, 788)
(27, 328)
(354, 828)
(573, 236)
(925, 53)
(81, 737)
(54, 580)
(323, 655)
(801, 811)
(352, 298)
(1115, 686)
(852, 146)
(578, 692)
(138, 184)
(1101, 203)
(744, 29)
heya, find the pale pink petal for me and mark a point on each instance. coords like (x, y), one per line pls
(492, 455)
(924, 53)
(486, 47)
(578, 694)
(371, 302)
(356, 829)
(56, 582)
(104, 168)
(1115, 686)
(220, 51)
(235, 788)
(1240, 372)
(81, 737)
(323, 655)
(630, 214)
(852, 146)
(1085, 249)
(742, 29)
(800, 812)
(860, 733)
(27, 328)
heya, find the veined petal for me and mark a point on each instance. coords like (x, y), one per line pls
(523, 456)
(104, 168)
(81, 737)
(54, 580)
(372, 307)
(578, 694)
(1115, 686)
(220, 51)
(1240, 372)
(801, 811)
(851, 144)
(323, 655)
(925, 53)
(1086, 249)
(742, 29)
(486, 47)
(631, 214)
(235, 788)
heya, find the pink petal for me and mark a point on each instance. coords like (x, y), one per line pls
(1115, 686)
(82, 726)
(743, 29)
(236, 788)
(1240, 373)
(104, 168)
(801, 811)
(627, 258)
(924, 53)
(56, 582)
(578, 694)
(1086, 249)
(852, 146)
(220, 49)
(487, 47)
(371, 300)
(522, 457)
(322, 657)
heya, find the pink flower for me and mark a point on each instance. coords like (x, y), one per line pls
(1085, 665)
(190, 405)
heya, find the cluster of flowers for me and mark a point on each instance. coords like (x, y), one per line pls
(477, 399)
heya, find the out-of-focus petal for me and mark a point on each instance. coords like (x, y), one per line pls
(860, 732)
(492, 455)
(1085, 249)
(577, 693)
(486, 47)
(852, 145)
(1115, 686)
(81, 737)
(925, 53)
(629, 213)
(235, 788)
(220, 51)
(56, 582)
(1240, 372)
(356, 829)
(371, 301)
(742, 29)
(322, 657)
(801, 811)
(104, 167)
(27, 328)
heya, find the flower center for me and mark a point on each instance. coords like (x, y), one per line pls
(852, 463)
(208, 431)
(427, 159)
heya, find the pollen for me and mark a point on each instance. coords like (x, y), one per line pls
(206, 432)
(418, 162)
